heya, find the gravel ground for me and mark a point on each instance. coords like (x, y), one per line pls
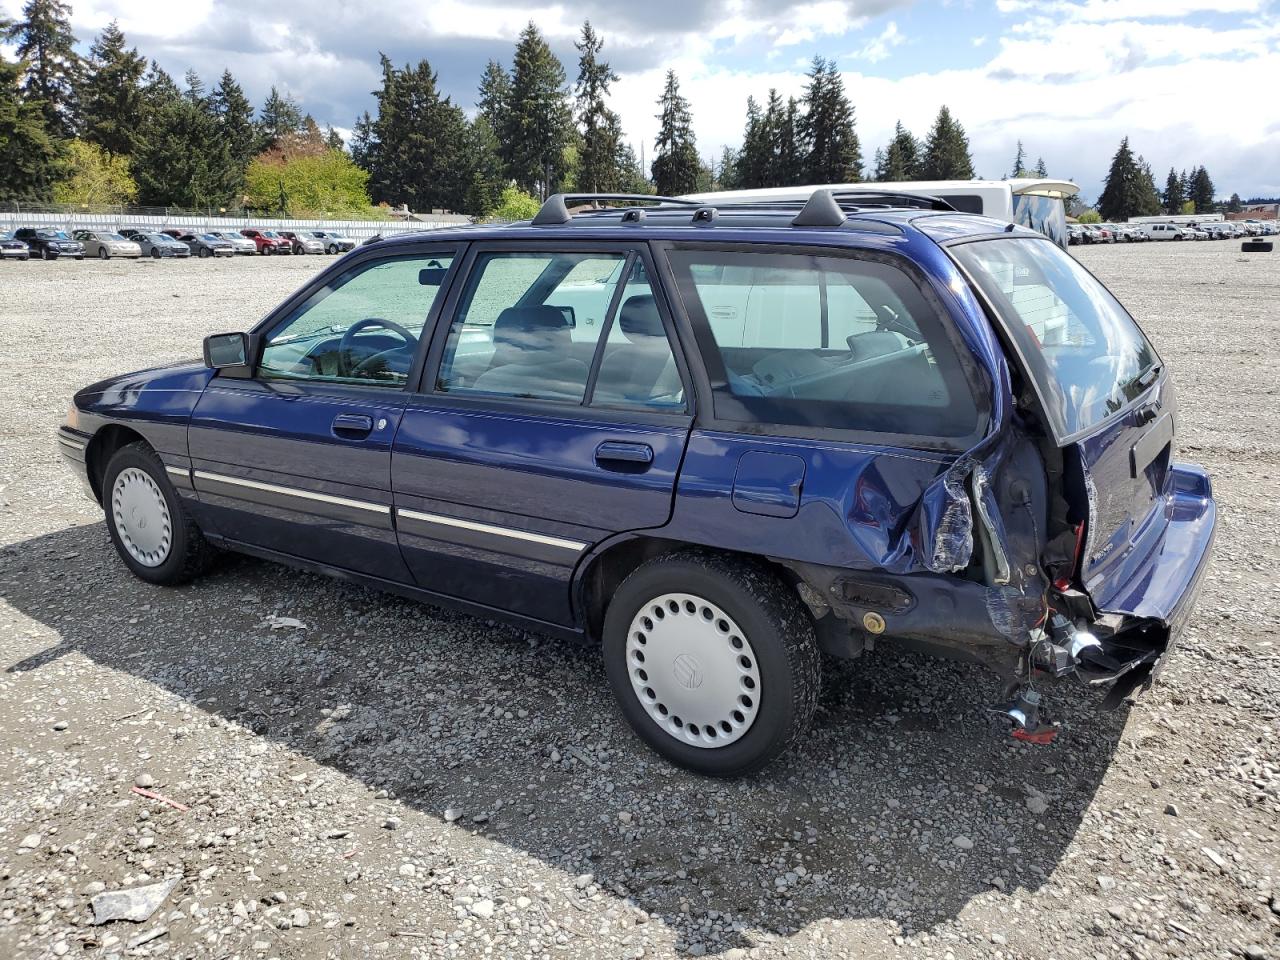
(394, 781)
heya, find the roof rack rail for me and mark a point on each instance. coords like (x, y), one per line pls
(556, 208)
(922, 200)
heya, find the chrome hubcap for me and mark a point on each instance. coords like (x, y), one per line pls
(693, 670)
(141, 516)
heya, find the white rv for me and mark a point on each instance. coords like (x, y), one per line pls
(1037, 204)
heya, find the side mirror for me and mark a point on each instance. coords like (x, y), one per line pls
(228, 351)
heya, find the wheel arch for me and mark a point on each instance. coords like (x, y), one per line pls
(102, 448)
(603, 572)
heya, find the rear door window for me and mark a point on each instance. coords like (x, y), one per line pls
(824, 341)
(1087, 356)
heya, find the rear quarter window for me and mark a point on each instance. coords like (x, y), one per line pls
(825, 341)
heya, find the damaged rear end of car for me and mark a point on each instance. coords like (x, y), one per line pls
(1068, 542)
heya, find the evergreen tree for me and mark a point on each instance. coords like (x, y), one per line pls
(1185, 179)
(1019, 163)
(333, 139)
(417, 147)
(834, 154)
(676, 165)
(111, 93)
(946, 151)
(631, 178)
(539, 121)
(1041, 170)
(46, 46)
(900, 160)
(753, 159)
(495, 96)
(770, 143)
(234, 114)
(362, 140)
(1173, 195)
(726, 174)
(791, 155)
(1235, 204)
(1202, 191)
(488, 179)
(28, 158)
(279, 116)
(1129, 190)
(600, 126)
(181, 161)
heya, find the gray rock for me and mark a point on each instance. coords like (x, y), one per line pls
(962, 842)
(136, 904)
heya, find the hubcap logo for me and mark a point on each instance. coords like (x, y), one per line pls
(687, 671)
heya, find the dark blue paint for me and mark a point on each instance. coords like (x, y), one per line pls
(530, 493)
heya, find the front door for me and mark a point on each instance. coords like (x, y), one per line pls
(555, 416)
(297, 459)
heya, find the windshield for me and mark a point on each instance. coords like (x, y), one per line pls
(270, 233)
(1087, 356)
(209, 236)
(112, 236)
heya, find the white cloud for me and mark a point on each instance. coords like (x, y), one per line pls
(878, 48)
(979, 41)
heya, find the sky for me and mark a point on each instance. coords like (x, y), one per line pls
(1190, 82)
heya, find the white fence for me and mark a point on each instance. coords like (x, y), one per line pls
(356, 229)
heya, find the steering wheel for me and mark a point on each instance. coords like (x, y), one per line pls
(344, 346)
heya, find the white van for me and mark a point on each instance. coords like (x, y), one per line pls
(1163, 231)
(1037, 204)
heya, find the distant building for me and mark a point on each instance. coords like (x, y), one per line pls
(1258, 211)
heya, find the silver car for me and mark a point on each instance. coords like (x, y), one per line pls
(241, 244)
(105, 244)
(158, 245)
(303, 241)
(334, 242)
(207, 245)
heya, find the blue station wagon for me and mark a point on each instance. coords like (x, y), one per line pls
(718, 443)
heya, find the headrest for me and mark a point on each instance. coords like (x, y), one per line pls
(532, 329)
(639, 318)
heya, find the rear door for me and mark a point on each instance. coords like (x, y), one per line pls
(553, 415)
(297, 458)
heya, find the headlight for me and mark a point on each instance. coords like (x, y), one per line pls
(72, 418)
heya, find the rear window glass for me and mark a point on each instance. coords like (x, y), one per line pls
(823, 341)
(1084, 351)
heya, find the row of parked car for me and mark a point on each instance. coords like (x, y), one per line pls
(1141, 232)
(47, 243)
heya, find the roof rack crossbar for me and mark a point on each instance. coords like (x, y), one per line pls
(556, 208)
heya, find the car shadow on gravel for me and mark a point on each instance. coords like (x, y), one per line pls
(906, 802)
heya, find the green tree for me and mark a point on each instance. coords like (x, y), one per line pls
(181, 162)
(1129, 190)
(111, 93)
(600, 127)
(539, 121)
(1235, 204)
(1041, 170)
(675, 164)
(515, 204)
(488, 179)
(727, 170)
(900, 160)
(946, 151)
(1089, 216)
(1173, 195)
(631, 178)
(1202, 191)
(280, 115)
(308, 182)
(46, 48)
(792, 169)
(333, 139)
(1019, 163)
(753, 159)
(362, 140)
(417, 147)
(93, 176)
(28, 158)
(828, 132)
(233, 114)
(495, 95)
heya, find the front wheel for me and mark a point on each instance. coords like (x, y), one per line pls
(151, 529)
(155, 253)
(713, 661)
(103, 254)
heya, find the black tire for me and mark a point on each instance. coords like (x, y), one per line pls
(103, 253)
(775, 625)
(46, 254)
(155, 253)
(204, 252)
(189, 554)
(333, 248)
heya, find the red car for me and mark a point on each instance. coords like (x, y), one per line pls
(268, 241)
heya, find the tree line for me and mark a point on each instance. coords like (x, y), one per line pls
(110, 128)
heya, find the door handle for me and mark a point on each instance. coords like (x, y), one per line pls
(352, 425)
(619, 451)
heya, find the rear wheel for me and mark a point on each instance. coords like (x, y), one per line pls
(204, 252)
(155, 253)
(713, 662)
(103, 254)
